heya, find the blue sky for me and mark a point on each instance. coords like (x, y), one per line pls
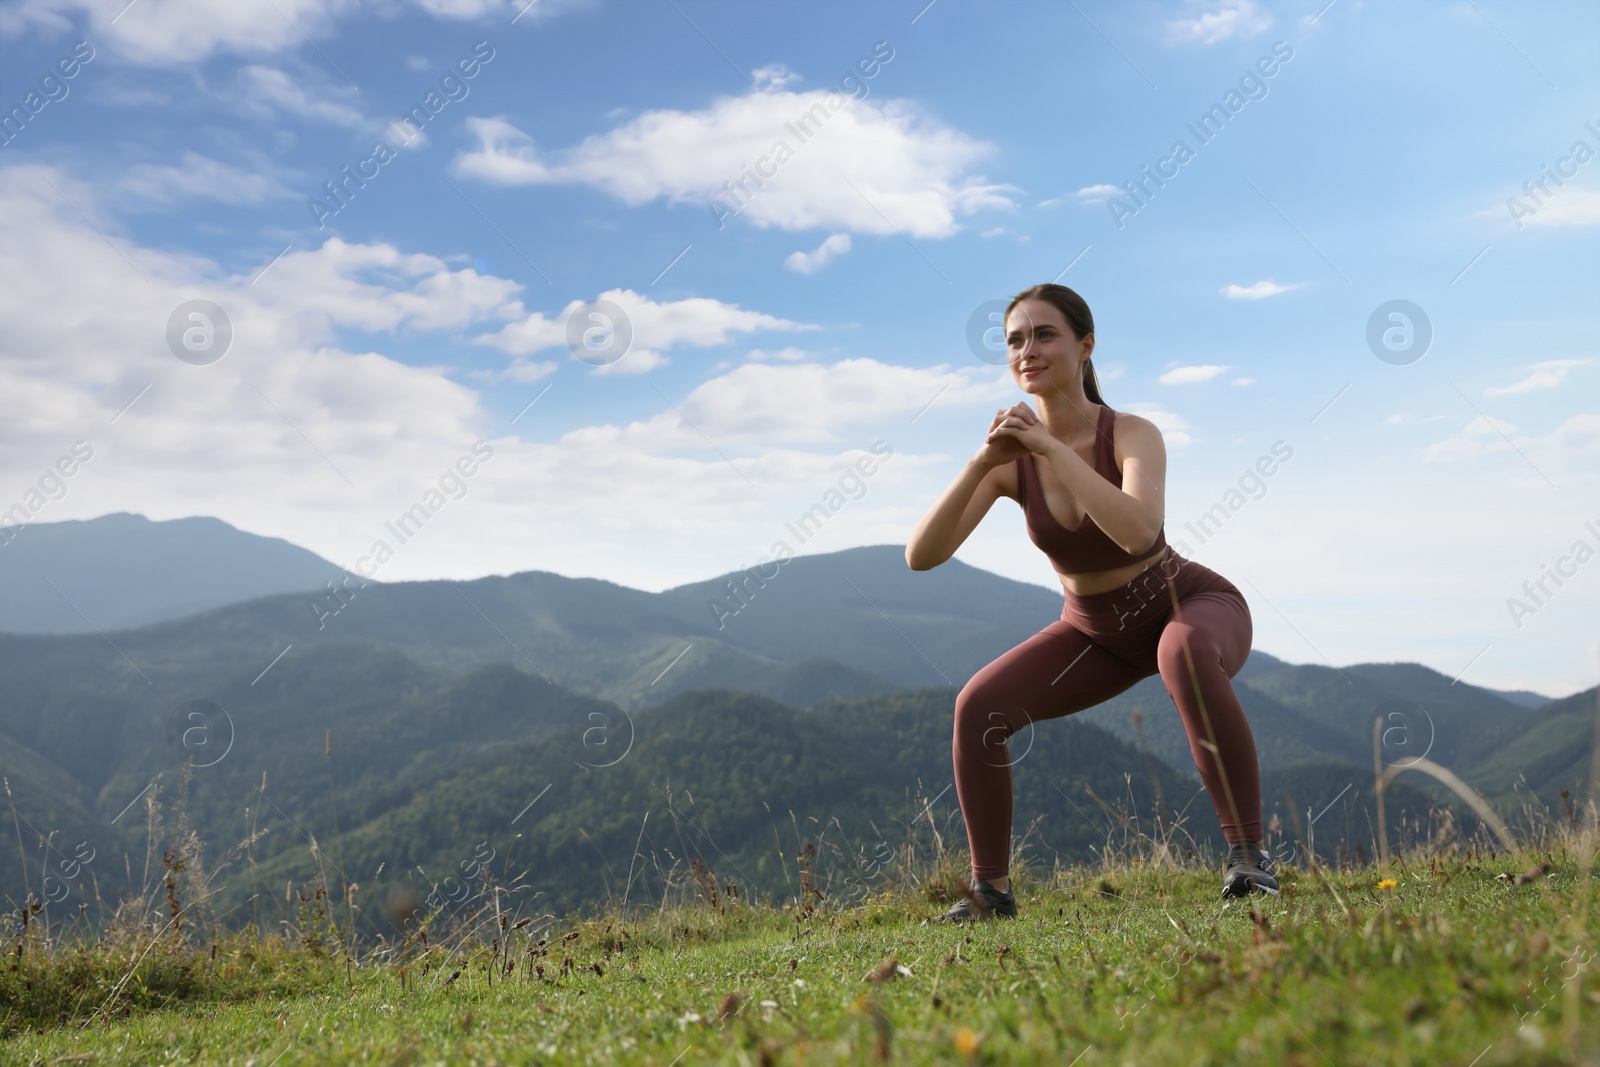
(971, 150)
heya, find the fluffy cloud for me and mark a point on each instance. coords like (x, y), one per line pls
(182, 32)
(1222, 20)
(810, 262)
(867, 167)
(1572, 206)
(1174, 427)
(185, 32)
(695, 322)
(294, 434)
(1546, 375)
(1188, 375)
(270, 436)
(1094, 194)
(199, 177)
(1577, 440)
(1253, 292)
(267, 92)
(810, 403)
(774, 76)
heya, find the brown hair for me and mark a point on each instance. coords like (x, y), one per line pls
(1080, 321)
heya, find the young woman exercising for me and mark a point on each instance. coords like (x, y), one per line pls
(1090, 482)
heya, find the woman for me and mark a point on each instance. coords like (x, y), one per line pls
(1090, 481)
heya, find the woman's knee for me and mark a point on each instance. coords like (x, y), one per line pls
(1181, 642)
(984, 718)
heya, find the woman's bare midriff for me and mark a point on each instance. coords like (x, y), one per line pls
(1087, 583)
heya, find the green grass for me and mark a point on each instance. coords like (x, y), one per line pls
(1130, 961)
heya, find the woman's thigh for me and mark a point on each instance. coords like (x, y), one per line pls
(1214, 623)
(1056, 672)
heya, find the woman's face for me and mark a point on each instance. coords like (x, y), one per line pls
(1040, 349)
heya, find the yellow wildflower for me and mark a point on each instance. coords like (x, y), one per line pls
(966, 1041)
(1387, 883)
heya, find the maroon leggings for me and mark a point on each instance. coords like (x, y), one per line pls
(1103, 644)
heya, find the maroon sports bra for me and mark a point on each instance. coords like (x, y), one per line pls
(1087, 548)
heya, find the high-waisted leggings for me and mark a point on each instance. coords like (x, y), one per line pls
(1103, 644)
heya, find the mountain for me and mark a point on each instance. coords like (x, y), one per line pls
(123, 571)
(397, 721)
(1523, 698)
(363, 777)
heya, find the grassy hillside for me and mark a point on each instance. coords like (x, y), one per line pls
(1450, 955)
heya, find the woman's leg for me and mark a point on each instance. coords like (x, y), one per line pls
(1055, 672)
(1202, 647)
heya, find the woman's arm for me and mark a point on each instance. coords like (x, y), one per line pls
(958, 511)
(953, 516)
(1130, 516)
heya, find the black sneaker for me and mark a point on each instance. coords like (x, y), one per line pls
(1248, 869)
(982, 901)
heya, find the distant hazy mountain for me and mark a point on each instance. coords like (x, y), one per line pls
(1523, 698)
(123, 571)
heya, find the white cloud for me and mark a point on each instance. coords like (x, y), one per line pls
(1243, 381)
(1174, 427)
(810, 262)
(789, 353)
(183, 32)
(1461, 447)
(695, 322)
(199, 177)
(909, 171)
(1189, 375)
(809, 403)
(1574, 442)
(85, 334)
(1223, 20)
(773, 76)
(180, 33)
(1571, 206)
(1546, 375)
(1097, 194)
(1488, 426)
(1453, 448)
(1256, 291)
(523, 370)
(524, 12)
(265, 92)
